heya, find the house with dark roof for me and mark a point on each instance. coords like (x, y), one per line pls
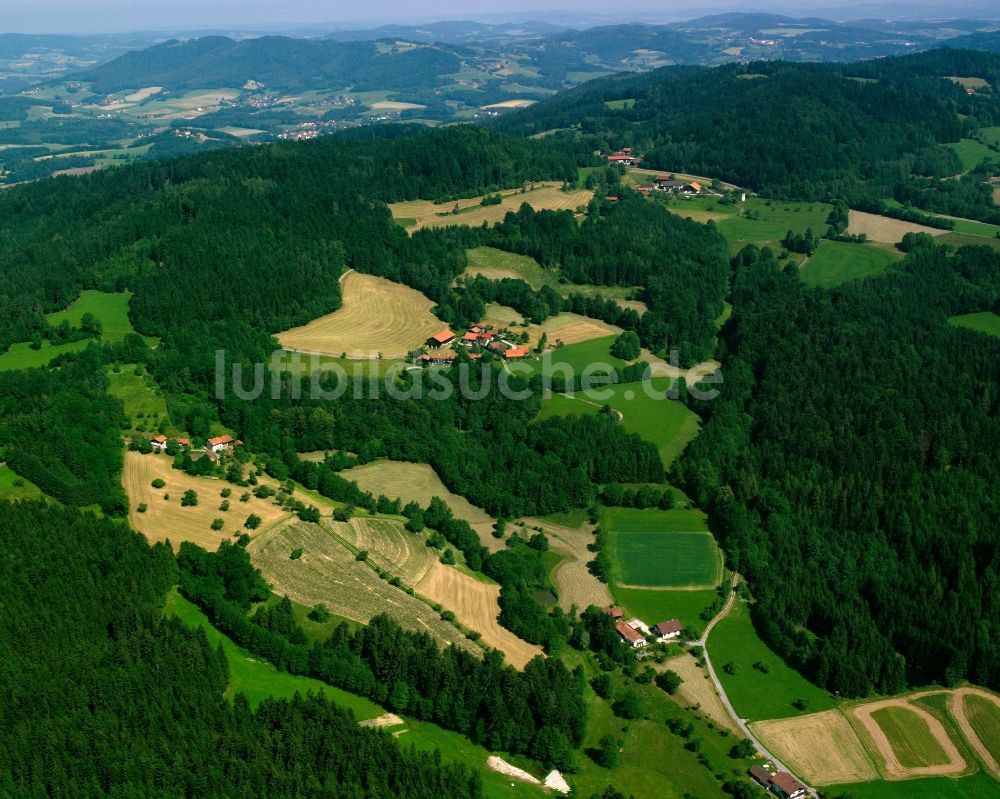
(786, 786)
(665, 630)
(760, 775)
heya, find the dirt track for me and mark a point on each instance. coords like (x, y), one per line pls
(956, 706)
(894, 770)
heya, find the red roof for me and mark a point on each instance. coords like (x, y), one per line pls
(443, 337)
(517, 352)
(695, 186)
(184, 441)
(787, 783)
(619, 157)
(159, 439)
(470, 336)
(214, 442)
(615, 612)
(626, 632)
(448, 355)
(669, 627)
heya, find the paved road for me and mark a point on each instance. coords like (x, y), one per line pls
(702, 642)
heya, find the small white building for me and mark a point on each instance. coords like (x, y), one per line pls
(665, 630)
(159, 443)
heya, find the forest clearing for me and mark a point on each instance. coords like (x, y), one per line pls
(475, 606)
(328, 572)
(885, 229)
(377, 318)
(418, 482)
(166, 519)
(418, 214)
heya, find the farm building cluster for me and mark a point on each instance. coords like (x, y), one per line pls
(213, 446)
(667, 183)
(441, 348)
(625, 157)
(780, 783)
(636, 633)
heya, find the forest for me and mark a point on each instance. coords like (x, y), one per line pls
(105, 697)
(864, 132)
(855, 445)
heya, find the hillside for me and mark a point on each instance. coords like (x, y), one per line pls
(868, 131)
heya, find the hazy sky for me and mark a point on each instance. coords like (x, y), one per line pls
(90, 16)
(112, 16)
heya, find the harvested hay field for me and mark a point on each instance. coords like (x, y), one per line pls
(977, 713)
(697, 689)
(911, 741)
(885, 229)
(822, 747)
(475, 605)
(377, 317)
(571, 328)
(328, 572)
(418, 482)
(575, 584)
(391, 547)
(167, 520)
(471, 212)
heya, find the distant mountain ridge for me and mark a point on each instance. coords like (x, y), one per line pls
(275, 61)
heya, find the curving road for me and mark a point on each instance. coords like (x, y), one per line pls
(703, 643)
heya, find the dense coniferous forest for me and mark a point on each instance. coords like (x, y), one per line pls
(866, 131)
(132, 703)
(850, 468)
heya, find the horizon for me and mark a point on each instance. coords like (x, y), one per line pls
(84, 18)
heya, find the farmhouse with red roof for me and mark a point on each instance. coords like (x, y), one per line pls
(442, 339)
(630, 636)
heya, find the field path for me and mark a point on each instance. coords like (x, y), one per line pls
(894, 770)
(740, 723)
(956, 705)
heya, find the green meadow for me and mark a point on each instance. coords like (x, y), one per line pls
(836, 262)
(667, 549)
(984, 716)
(910, 737)
(972, 153)
(13, 486)
(656, 605)
(110, 308)
(976, 786)
(755, 694)
(258, 679)
(667, 423)
(620, 105)
(144, 404)
(984, 322)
